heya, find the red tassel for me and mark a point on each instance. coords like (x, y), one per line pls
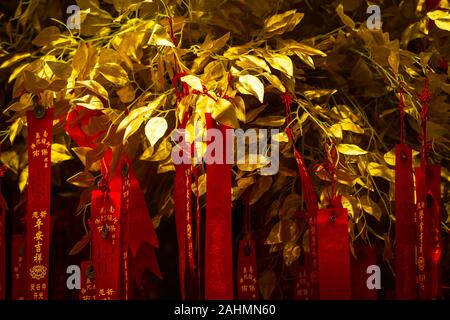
(310, 199)
(218, 228)
(333, 253)
(303, 280)
(183, 219)
(40, 125)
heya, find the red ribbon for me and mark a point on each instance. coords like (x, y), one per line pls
(18, 267)
(333, 254)
(365, 256)
(218, 228)
(182, 196)
(87, 284)
(405, 265)
(310, 199)
(38, 203)
(137, 228)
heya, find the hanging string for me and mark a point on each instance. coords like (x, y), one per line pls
(307, 186)
(329, 165)
(424, 113)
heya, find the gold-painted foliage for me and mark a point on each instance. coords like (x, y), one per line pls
(345, 79)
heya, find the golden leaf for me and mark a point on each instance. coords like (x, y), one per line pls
(60, 69)
(89, 102)
(350, 149)
(142, 112)
(46, 36)
(23, 179)
(33, 83)
(281, 62)
(95, 87)
(11, 160)
(132, 127)
(382, 171)
(214, 46)
(155, 128)
(348, 125)
(80, 57)
(249, 84)
(270, 121)
(316, 94)
(267, 283)
(14, 129)
(250, 61)
(344, 18)
(371, 208)
(114, 73)
(252, 114)
(82, 179)
(336, 131)
(252, 162)
(60, 153)
(126, 94)
(160, 37)
(163, 151)
(281, 23)
(290, 205)
(80, 245)
(193, 81)
(14, 59)
(291, 252)
(225, 113)
(273, 79)
(441, 18)
(284, 231)
(280, 137)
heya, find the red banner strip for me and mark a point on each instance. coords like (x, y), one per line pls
(333, 254)
(18, 267)
(106, 248)
(247, 280)
(87, 290)
(218, 227)
(38, 203)
(2, 239)
(428, 226)
(365, 256)
(405, 264)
